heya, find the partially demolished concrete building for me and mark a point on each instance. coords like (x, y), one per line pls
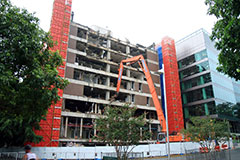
(93, 56)
(91, 60)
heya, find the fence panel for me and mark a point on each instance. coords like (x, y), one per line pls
(213, 155)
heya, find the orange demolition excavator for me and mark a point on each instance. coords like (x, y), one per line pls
(142, 63)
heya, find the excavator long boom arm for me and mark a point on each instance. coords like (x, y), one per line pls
(142, 63)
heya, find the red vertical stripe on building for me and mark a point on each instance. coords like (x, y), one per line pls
(173, 93)
(60, 23)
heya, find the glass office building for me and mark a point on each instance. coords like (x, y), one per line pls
(202, 86)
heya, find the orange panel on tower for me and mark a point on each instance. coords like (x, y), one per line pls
(60, 23)
(167, 56)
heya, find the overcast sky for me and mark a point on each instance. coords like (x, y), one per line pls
(140, 21)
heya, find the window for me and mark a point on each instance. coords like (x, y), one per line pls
(200, 109)
(132, 85)
(204, 66)
(140, 87)
(133, 98)
(206, 78)
(192, 59)
(199, 94)
(77, 74)
(82, 33)
(148, 101)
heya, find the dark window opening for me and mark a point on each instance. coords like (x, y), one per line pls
(140, 87)
(118, 47)
(113, 82)
(148, 101)
(121, 97)
(89, 77)
(135, 52)
(83, 107)
(82, 33)
(117, 58)
(114, 69)
(94, 92)
(133, 98)
(97, 40)
(80, 46)
(132, 85)
(91, 63)
(77, 74)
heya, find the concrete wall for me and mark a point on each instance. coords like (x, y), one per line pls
(74, 89)
(96, 152)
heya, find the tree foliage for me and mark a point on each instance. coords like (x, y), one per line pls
(229, 109)
(226, 32)
(29, 80)
(121, 129)
(206, 130)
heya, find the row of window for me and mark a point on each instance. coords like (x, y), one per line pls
(200, 110)
(98, 40)
(198, 94)
(192, 59)
(200, 80)
(204, 66)
(98, 79)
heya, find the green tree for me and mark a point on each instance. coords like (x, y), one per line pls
(121, 129)
(205, 130)
(236, 110)
(226, 32)
(229, 109)
(29, 80)
(225, 109)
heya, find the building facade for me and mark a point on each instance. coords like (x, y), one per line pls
(91, 60)
(202, 86)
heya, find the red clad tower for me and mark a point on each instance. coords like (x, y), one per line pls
(60, 23)
(173, 93)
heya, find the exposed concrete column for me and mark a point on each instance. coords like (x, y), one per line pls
(66, 126)
(141, 133)
(127, 49)
(87, 35)
(108, 68)
(81, 124)
(128, 74)
(108, 43)
(63, 104)
(150, 130)
(95, 130)
(145, 114)
(96, 108)
(159, 128)
(62, 127)
(107, 97)
(108, 55)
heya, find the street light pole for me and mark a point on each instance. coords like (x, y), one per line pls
(165, 107)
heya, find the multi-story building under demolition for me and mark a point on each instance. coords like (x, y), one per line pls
(92, 57)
